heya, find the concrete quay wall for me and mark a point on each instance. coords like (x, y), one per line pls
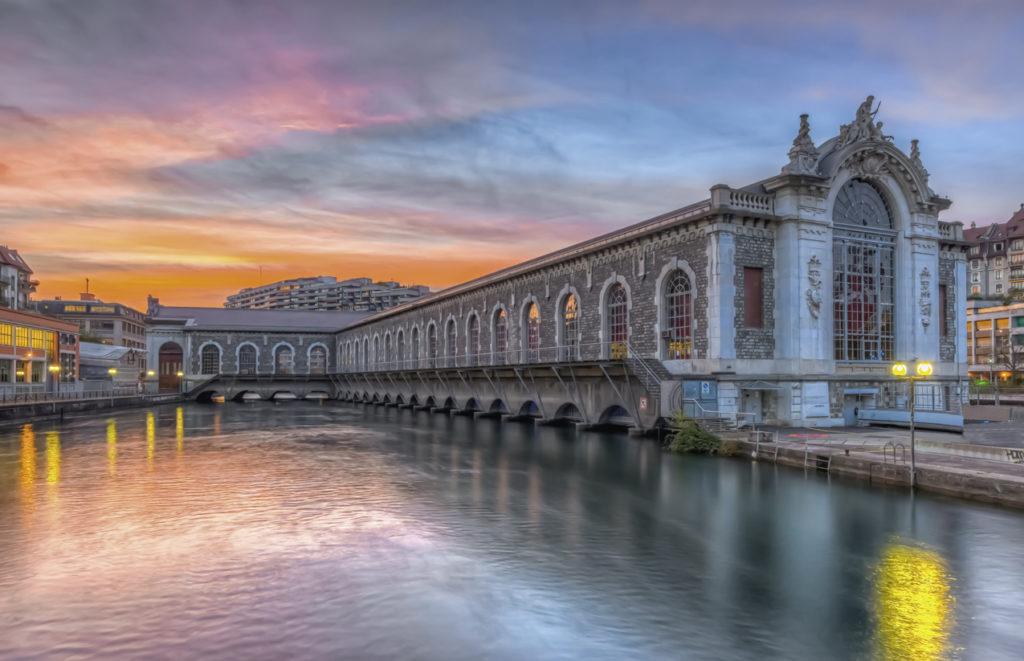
(17, 414)
(969, 483)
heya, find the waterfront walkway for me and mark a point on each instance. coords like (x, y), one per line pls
(986, 462)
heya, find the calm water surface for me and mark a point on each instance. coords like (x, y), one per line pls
(263, 531)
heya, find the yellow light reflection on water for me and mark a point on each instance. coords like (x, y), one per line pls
(112, 446)
(52, 457)
(28, 456)
(179, 427)
(913, 604)
(150, 438)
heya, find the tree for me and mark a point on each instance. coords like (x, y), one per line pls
(1010, 355)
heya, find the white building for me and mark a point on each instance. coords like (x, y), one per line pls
(325, 293)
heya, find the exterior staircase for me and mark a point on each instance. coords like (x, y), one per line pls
(649, 372)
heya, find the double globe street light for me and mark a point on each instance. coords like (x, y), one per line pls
(922, 370)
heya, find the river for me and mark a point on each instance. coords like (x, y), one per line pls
(270, 531)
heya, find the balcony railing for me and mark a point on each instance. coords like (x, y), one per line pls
(568, 353)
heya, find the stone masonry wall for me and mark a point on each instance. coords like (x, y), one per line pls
(756, 248)
(637, 265)
(265, 343)
(947, 276)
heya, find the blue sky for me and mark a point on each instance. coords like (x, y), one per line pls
(181, 147)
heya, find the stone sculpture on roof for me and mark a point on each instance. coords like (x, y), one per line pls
(803, 156)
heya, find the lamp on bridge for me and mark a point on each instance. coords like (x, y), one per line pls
(922, 370)
(150, 373)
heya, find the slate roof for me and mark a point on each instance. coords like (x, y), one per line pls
(258, 320)
(11, 257)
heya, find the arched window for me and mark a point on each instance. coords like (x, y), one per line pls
(376, 353)
(678, 317)
(210, 362)
(531, 334)
(364, 363)
(317, 360)
(432, 345)
(415, 348)
(473, 340)
(618, 322)
(450, 348)
(863, 262)
(500, 337)
(247, 359)
(388, 354)
(284, 360)
(569, 348)
(401, 349)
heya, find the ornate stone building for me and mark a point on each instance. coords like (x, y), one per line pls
(786, 300)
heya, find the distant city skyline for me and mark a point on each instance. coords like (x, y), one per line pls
(175, 148)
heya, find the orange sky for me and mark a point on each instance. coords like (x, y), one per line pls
(178, 148)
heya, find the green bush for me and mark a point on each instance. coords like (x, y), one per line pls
(688, 436)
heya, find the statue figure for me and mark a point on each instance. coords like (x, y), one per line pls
(863, 126)
(881, 134)
(803, 156)
(915, 158)
(814, 290)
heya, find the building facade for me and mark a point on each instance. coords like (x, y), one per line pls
(106, 323)
(35, 349)
(188, 345)
(996, 258)
(16, 283)
(787, 299)
(325, 293)
(995, 343)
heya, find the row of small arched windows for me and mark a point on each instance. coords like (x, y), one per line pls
(248, 356)
(393, 352)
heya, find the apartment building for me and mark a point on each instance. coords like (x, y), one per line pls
(106, 323)
(995, 342)
(995, 264)
(16, 283)
(326, 293)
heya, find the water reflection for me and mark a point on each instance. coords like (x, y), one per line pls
(28, 456)
(52, 457)
(179, 427)
(914, 605)
(150, 439)
(392, 534)
(112, 447)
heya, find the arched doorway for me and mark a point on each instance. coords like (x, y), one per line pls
(170, 366)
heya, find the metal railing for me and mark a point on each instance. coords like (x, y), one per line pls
(565, 353)
(738, 419)
(40, 393)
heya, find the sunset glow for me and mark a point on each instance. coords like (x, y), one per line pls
(187, 149)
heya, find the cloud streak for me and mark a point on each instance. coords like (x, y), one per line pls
(175, 148)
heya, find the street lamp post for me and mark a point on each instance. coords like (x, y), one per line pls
(922, 369)
(181, 382)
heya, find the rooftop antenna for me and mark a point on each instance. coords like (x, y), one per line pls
(87, 285)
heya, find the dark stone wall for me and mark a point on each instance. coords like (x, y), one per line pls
(636, 264)
(947, 276)
(755, 248)
(265, 343)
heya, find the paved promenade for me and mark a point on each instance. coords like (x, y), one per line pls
(986, 462)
